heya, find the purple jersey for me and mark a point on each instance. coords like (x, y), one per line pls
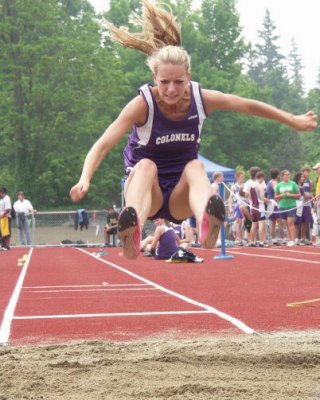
(170, 144)
(167, 244)
(307, 185)
(270, 189)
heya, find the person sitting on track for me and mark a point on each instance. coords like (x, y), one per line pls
(165, 241)
(165, 178)
(184, 232)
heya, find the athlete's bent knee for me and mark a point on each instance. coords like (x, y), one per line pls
(147, 166)
(195, 165)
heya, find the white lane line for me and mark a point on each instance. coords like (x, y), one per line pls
(9, 312)
(86, 286)
(234, 321)
(91, 290)
(274, 257)
(132, 314)
(312, 253)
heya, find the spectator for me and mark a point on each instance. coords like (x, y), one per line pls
(184, 232)
(299, 180)
(110, 229)
(262, 202)
(5, 219)
(23, 209)
(81, 219)
(274, 217)
(236, 200)
(194, 231)
(307, 219)
(317, 202)
(287, 192)
(251, 213)
(217, 179)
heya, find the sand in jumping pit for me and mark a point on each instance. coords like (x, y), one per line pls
(251, 367)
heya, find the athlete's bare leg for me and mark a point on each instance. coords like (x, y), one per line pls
(142, 190)
(143, 198)
(191, 197)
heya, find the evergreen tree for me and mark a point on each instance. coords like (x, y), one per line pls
(265, 57)
(224, 46)
(61, 88)
(295, 68)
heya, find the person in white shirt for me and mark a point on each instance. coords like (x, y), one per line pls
(249, 212)
(23, 209)
(5, 219)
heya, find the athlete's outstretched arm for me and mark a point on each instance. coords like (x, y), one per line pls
(215, 100)
(134, 112)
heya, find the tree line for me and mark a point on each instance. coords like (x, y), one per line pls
(63, 81)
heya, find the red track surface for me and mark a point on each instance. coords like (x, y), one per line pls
(64, 289)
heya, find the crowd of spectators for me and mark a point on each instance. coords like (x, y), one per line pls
(284, 210)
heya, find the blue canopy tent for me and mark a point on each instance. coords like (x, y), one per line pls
(211, 167)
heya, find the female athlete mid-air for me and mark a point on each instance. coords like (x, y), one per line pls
(165, 179)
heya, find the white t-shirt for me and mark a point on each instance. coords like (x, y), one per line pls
(23, 206)
(247, 187)
(250, 184)
(5, 204)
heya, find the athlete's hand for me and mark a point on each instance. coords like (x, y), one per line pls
(79, 191)
(305, 122)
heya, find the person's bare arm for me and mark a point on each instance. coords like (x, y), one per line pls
(6, 212)
(215, 100)
(159, 231)
(134, 112)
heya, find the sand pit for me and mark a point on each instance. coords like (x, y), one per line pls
(250, 367)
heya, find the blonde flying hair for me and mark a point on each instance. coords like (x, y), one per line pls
(159, 38)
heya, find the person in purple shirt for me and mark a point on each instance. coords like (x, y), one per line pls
(165, 178)
(165, 241)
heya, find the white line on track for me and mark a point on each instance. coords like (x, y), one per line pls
(86, 286)
(312, 253)
(9, 312)
(131, 314)
(234, 321)
(274, 257)
(92, 290)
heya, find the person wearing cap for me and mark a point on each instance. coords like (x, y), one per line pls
(23, 209)
(111, 226)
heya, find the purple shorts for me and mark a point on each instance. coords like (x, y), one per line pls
(285, 213)
(167, 186)
(306, 215)
(275, 215)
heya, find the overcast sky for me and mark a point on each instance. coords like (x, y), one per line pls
(298, 19)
